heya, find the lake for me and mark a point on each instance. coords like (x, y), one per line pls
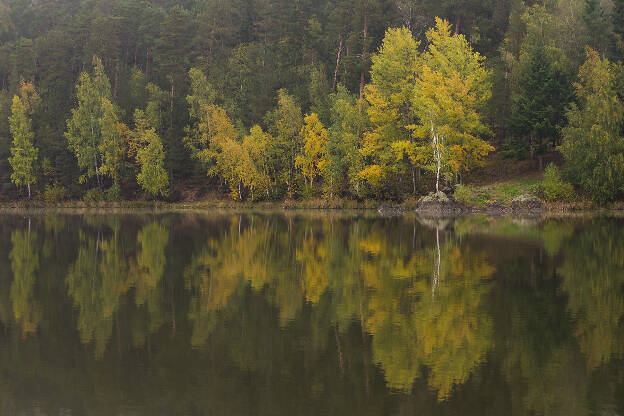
(316, 313)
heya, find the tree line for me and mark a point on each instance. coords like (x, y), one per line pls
(269, 99)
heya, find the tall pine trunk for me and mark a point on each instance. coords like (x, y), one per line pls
(364, 38)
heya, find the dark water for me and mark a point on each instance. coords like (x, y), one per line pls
(324, 314)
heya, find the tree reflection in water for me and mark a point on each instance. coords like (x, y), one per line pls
(305, 314)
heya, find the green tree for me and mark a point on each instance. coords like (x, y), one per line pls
(84, 129)
(156, 106)
(349, 119)
(453, 85)
(153, 177)
(285, 124)
(113, 145)
(617, 19)
(593, 145)
(538, 105)
(387, 147)
(23, 152)
(596, 21)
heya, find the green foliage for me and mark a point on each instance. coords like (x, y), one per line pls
(358, 65)
(94, 195)
(54, 193)
(284, 124)
(255, 163)
(23, 153)
(345, 161)
(553, 188)
(513, 148)
(202, 93)
(84, 127)
(593, 145)
(452, 88)
(387, 147)
(114, 137)
(113, 193)
(463, 194)
(541, 94)
(153, 177)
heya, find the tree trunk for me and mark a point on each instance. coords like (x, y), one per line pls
(437, 154)
(147, 59)
(340, 46)
(116, 83)
(436, 273)
(28, 191)
(364, 38)
(171, 103)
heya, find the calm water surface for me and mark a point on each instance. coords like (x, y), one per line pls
(317, 314)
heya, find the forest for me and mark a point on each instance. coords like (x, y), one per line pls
(105, 309)
(295, 99)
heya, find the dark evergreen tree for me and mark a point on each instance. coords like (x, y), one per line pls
(538, 106)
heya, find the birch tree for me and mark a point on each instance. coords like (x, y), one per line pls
(593, 145)
(311, 161)
(452, 87)
(84, 129)
(387, 147)
(153, 177)
(23, 152)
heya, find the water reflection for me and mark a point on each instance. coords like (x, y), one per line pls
(303, 314)
(24, 258)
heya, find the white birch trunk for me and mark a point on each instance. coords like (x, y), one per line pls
(437, 155)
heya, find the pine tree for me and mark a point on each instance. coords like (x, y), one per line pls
(23, 152)
(617, 20)
(538, 109)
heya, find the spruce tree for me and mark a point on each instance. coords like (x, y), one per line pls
(538, 105)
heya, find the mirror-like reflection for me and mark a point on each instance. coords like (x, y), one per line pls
(283, 314)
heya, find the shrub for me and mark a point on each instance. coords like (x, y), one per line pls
(463, 194)
(113, 193)
(553, 188)
(54, 193)
(94, 195)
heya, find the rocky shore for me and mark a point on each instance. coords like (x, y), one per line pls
(439, 204)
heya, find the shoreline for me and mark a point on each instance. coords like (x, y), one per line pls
(373, 207)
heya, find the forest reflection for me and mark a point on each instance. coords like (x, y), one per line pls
(183, 313)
